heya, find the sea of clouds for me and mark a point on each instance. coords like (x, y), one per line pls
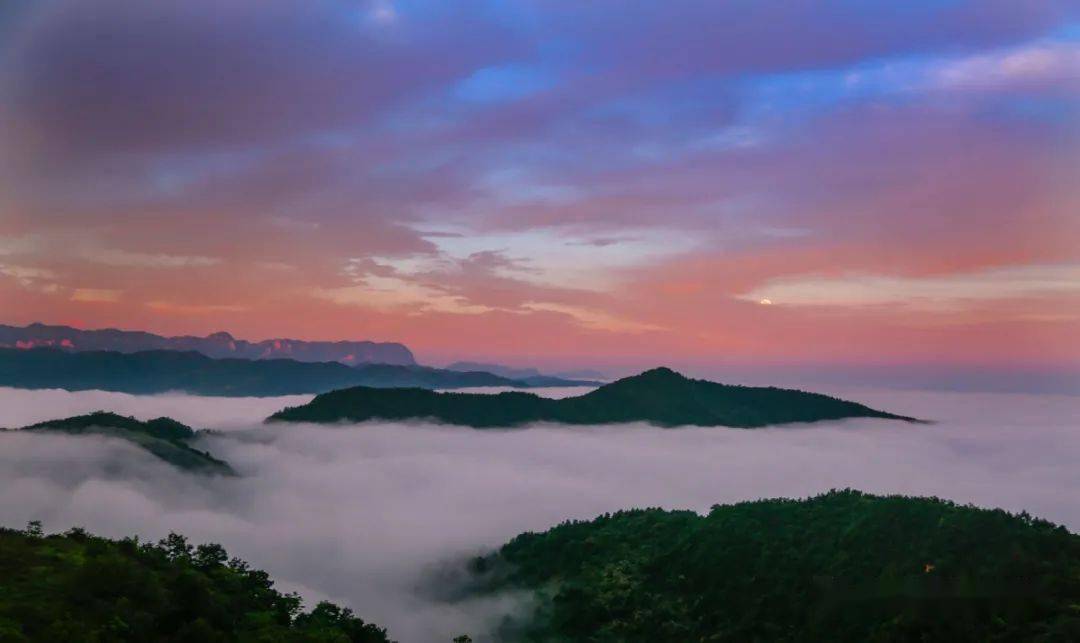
(378, 516)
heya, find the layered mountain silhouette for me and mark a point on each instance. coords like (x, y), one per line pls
(191, 372)
(164, 437)
(498, 369)
(659, 396)
(216, 345)
(531, 376)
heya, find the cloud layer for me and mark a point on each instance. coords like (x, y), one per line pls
(379, 516)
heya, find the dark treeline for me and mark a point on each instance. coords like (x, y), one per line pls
(78, 588)
(844, 566)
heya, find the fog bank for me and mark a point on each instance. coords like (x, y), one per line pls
(25, 406)
(367, 514)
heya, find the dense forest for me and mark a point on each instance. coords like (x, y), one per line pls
(659, 396)
(162, 371)
(77, 588)
(845, 566)
(164, 437)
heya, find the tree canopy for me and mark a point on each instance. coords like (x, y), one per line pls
(78, 588)
(845, 566)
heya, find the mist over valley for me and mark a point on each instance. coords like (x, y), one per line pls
(383, 517)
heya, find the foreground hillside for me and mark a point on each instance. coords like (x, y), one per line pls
(191, 372)
(844, 566)
(78, 588)
(164, 437)
(660, 396)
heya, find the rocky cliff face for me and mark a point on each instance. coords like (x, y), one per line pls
(216, 345)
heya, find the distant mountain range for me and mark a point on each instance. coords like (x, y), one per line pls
(216, 345)
(162, 371)
(164, 437)
(498, 369)
(524, 373)
(659, 396)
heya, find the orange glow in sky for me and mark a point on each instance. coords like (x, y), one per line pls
(546, 185)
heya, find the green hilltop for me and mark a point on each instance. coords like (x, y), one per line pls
(845, 566)
(78, 588)
(163, 437)
(659, 396)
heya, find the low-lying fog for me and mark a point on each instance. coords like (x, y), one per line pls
(369, 515)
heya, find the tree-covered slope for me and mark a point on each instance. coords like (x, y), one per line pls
(164, 437)
(664, 397)
(163, 371)
(78, 588)
(845, 566)
(467, 409)
(660, 396)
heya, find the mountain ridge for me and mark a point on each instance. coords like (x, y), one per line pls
(163, 371)
(218, 345)
(658, 396)
(497, 369)
(527, 374)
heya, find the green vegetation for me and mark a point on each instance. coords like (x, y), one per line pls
(164, 437)
(77, 588)
(162, 371)
(844, 566)
(660, 396)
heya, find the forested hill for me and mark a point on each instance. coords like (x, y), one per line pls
(163, 437)
(844, 566)
(659, 396)
(191, 372)
(78, 588)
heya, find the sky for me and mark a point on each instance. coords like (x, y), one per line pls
(553, 183)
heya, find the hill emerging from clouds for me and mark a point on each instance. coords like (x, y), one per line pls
(659, 396)
(150, 372)
(164, 437)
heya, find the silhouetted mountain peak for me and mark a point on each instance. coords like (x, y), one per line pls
(659, 396)
(659, 374)
(660, 378)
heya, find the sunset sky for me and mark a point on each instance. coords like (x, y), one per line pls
(552, 182)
